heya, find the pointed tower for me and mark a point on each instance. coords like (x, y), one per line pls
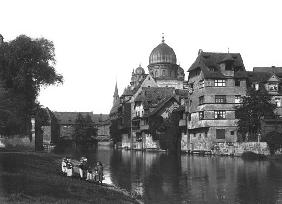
(116, 96)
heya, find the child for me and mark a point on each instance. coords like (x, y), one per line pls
(69, 168)
(99, 171)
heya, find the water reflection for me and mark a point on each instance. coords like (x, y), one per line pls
(164, 178)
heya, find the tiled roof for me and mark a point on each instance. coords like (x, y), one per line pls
(161, 104)
(272, 69)
(151, 96)
(259, 76)
(68, 118)
(207, 60)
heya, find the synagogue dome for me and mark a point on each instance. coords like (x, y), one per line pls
(139, 70)
(162, 54)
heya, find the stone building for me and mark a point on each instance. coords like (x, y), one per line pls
(163, 72)
(270, 79)
(217, 82)
(163, 68)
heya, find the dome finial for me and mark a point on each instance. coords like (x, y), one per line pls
(163, 40)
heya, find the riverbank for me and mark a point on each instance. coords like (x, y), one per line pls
(35, 178)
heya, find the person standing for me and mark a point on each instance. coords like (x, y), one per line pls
(99, 169)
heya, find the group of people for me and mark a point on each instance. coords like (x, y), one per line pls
(84, 169)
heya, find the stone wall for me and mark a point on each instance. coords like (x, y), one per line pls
(238, 149)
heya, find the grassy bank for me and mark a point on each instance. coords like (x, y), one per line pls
(35, 178)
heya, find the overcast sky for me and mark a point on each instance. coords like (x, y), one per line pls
(99, 42)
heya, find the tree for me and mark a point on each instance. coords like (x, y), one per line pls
(26, 65)
(166, 130)
(84, 131)
(255, 106)
(115, 133)
(274, 141)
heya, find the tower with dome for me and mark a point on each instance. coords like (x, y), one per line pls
(163, 67)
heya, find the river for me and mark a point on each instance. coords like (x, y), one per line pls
(162, 178)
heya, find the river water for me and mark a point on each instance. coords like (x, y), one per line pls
(163, 178)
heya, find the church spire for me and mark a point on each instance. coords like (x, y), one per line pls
(116, 91)
(115, 96)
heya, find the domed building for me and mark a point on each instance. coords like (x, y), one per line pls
(163, 68)
(137, 75)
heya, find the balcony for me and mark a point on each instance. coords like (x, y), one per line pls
(182, 123)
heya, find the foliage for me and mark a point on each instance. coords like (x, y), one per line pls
(255, 106)
(166, 131)
(84, 131)
(26, 65)
(274, 141)
(115, 133)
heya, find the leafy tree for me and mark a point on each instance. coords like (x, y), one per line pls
(115, 133)
(256, 106)
(166, 131)
(26, 65)
(84, 132)
(274, 141)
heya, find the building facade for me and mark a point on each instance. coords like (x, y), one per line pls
(217, 81)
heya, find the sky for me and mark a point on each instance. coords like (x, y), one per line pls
(99, 43)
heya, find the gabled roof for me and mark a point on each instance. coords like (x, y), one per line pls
(271, 69)
(207, 60)
(128, 91)
(151, 96)
(162, 104)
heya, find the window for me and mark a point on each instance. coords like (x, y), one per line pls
(231, 132)
(256, 86)
(220, 99)
(219, 82)
(201, 115)
(201, 84)
(277, 102)
(273, 87)
(237, 82)
(163, 72)
(220, 134)
(238, 99)
(201, 100)
(219, 114)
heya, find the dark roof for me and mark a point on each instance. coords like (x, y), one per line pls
(259, 76)
(272, 69)
(161, 104)
(207, 60)
(151, 96)
(68, 118)
(129, 91)
(115, 107)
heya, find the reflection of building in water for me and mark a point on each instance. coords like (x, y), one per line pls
(214, 179)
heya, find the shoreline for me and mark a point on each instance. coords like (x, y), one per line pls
(35, 178)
